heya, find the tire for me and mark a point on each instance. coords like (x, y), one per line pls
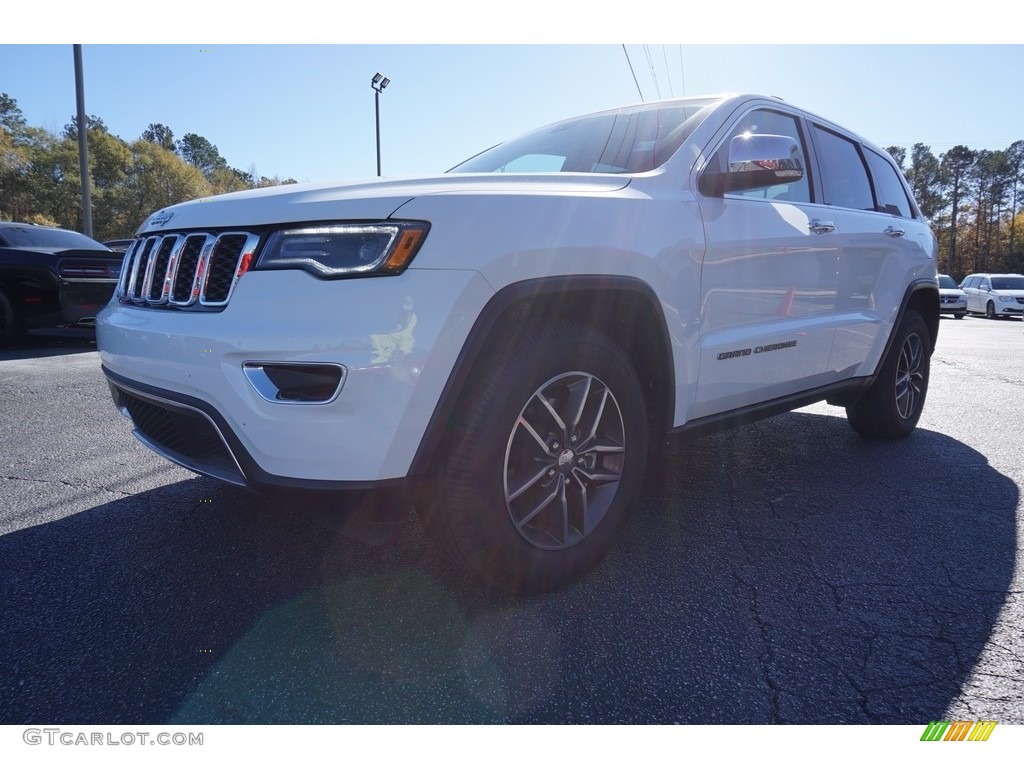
(990, 311)
(959, 315)
(545, 458)
(12, 330)
(892, 406)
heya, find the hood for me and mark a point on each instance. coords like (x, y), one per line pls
(26, 254)
(370, 200)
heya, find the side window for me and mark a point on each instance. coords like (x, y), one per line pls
(765, 121)
(843, 175)
(892, 197)
(984, 285)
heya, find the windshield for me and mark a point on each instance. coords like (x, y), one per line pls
(628, 140)
(945, 281)
(1008, 283)
(25, 236)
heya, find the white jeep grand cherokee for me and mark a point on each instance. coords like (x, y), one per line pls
(502, 343)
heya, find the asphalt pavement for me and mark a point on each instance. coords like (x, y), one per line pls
(787, 571)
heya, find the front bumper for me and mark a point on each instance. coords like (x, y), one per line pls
(190, 434)
(71, 304)
(953, 306)
(181, 375)
(1008, 309)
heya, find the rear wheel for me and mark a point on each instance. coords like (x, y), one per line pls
(892, 406)
(544, 460)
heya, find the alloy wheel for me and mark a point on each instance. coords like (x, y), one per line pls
(909, 376)
(564, 460)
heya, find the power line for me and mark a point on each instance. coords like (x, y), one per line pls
(650, 63)
(632, 72)
(668, 72)
(682, 72)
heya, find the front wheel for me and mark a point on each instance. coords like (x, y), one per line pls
(892, 406)
(959, 315)
(545, 458)
(990, 311)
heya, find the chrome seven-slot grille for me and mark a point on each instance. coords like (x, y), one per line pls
(196, 269)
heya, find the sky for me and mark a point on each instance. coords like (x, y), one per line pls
(305, 109)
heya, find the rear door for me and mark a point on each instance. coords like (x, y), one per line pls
(884, 246)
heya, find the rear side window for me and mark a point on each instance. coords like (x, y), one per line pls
(843, 175)
(892, 197)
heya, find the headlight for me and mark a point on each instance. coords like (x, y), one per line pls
(345, 250)
(1008, 299)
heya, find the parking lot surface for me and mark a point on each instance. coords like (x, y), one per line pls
(784, 572)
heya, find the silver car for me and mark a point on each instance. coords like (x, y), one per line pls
(952, 301)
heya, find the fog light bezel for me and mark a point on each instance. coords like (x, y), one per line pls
(268, 383)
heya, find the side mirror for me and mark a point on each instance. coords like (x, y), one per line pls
(756, 160)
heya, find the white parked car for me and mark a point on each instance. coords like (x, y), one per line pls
(994, 295)
(502, 344)
(952, 300)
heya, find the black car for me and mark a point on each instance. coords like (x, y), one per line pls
(121, 246)
(51, 278)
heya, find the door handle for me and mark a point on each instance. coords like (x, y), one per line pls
(819, 227)
(892, 231)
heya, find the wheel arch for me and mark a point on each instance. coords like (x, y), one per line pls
(923, 297)
(625, 309)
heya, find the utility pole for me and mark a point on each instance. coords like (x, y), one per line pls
(83, 142)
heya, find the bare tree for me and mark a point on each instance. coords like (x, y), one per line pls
(955, 164)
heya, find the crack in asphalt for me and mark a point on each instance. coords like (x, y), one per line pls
(767, 657)
(68, 484)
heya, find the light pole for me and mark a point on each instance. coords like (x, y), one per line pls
(378, 83)
(83, 141)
